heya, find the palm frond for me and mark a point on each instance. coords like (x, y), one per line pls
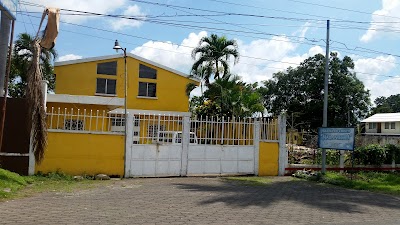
(36, 108)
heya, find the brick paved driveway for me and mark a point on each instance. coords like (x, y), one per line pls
(204, 201)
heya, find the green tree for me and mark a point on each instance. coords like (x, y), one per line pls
(214, 53)
(300, 90)
(20, 61)
(389, 104)
(229, 96)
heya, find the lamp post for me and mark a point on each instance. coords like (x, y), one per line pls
(118, 47)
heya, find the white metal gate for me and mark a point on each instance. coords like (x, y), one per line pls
(147, 160)
(178, 146)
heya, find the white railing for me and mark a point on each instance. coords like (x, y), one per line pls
(157, 128)
(163, 128)
(223, 131)
(84, 121)
(269, 129)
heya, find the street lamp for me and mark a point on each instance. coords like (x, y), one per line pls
(118, 47)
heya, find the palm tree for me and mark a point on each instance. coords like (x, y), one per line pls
(214, 51)
(21, 60)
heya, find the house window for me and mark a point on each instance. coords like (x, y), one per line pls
(153, 130)
(106, 86)
(392, 125)
(108, 68)
(387, 125)
(136, 122)
(72, 124)
(372, 125)
(147, 72)
(118, 121)
(147, 89)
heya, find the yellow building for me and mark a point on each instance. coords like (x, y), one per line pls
(85, 115)
(151, 86)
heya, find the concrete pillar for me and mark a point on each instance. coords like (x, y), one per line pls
(256, 140)
(185, 145)
(128, 145)
(44, 92)
(4, 39)
(341, 160)
(283, 154)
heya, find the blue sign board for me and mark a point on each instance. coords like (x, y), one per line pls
(10, 6)
(336, 138)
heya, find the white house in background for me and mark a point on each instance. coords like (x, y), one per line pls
(383, 124)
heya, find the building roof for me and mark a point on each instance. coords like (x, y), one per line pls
(383, 117)
(92, 59)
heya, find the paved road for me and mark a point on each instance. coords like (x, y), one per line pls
(205, 201)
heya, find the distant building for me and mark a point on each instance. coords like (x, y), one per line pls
(382, 124)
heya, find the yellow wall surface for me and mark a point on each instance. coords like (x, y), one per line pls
(78, 154)
(80, 79)
(268, 159)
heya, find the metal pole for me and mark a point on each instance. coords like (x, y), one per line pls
(7, 75)
(325, 115)
(125, 106)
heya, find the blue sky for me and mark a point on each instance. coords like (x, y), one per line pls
(272, 35)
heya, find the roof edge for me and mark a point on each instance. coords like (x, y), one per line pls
(116, 56)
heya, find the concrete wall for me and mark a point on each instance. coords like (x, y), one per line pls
(77, 154)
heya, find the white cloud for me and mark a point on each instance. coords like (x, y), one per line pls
(382, 20)
(97, 6)
(372, 71)
(69, 57)
(280, 53)
(175, 56)
(131, 11)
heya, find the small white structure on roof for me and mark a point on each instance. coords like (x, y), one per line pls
(383, 124)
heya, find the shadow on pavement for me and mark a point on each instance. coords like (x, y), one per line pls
(314, 195)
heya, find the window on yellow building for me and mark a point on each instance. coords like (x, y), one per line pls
(108, 68)
(393, 125)
(106, 86)
(147, 89)
(387, 125)
(147, 72)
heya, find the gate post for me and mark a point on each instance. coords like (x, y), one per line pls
(256, 142)
(128, 145)
(283, 155)
(185, 145)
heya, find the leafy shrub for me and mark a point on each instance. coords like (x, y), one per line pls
(370, 155)
(392, 152)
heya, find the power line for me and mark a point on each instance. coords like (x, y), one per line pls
(343, 9)
(362, 49)
(256, 58)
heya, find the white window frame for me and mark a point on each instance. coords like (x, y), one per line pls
(147, 90)
(105, 88)
(372, 126)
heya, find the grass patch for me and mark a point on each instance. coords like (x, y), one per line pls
(10, 183)
(13, 185)
(252, 181)
(371, 181)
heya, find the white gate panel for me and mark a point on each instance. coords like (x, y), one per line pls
(155, 160)
(220, 159)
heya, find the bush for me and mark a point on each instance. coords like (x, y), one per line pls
(370, 155)
(392, 152)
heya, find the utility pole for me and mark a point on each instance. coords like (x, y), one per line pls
(325, 115)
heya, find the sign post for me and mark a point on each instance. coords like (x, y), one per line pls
(336, 138)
